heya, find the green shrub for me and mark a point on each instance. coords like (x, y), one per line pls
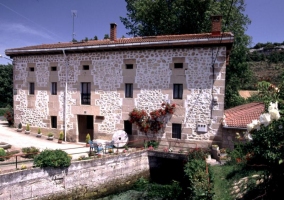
(2, 153)
(20, 125)
(199, 182)
(50, 134)
(155, 190)
(52, 158)
(61, 135)
(13, 152)
(30, 152)
(152, 143)
(3, 111)
(198, 153)
(28, 127)
(88, 138)
(38, 131)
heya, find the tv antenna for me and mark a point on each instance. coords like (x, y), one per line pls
(74, 14)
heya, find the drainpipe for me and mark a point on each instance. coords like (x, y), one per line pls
(65, 96)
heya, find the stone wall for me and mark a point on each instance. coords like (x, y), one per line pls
(91, 178)
(152, 76)
(229, 137)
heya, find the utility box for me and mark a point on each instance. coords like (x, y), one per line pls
(202, 128)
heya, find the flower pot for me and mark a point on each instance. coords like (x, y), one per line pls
(50, 137)
(38, 135)
(27, 132)
(87, 145)
(59, 141)
(19, 130)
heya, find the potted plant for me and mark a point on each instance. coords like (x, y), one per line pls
(20, 127)
(88, 138)
(50, 136)
(60, 137)
(28, 129)
(38, 133)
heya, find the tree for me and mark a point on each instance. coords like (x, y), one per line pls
(6, 85)
(106, 36)
(162, 17)
(96, 37)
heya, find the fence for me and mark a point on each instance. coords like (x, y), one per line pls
(133, 145)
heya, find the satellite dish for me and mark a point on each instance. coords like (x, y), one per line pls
(120, 138)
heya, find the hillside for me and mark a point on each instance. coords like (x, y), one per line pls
(266, 62)
(265, 71)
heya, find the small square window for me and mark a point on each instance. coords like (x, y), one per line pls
(128, 127)
(178, 65)
(178, 91)
(32, 88)
(128, 90)
(85, 67)
(129, 66)
(53, 121)
(176, 131)
(32, 69)
(53, 68)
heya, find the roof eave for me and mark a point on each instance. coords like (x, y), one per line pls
(190, 42)
(234, 127)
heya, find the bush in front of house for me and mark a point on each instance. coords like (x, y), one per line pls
(52, 158)
(30, 152)
(158, 191)
(199, 180)
(2, 154)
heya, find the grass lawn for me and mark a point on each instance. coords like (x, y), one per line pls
(225, 176)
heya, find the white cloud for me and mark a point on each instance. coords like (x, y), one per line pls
(17, 29)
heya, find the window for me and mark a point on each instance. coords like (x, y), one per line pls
(85, 67)
(53, 122)
(32, 69)
(128, 90)
(85, 93)
(90, 122)
(178, 90)
(176, 131)
(53, 88)
(178, 65)
(128, 127)
(53, 68)
(129, 66)
(32, 88)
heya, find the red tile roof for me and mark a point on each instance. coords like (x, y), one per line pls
(163, 40)
(240, 116)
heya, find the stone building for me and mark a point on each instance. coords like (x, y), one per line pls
(91, 86)
(235, 120)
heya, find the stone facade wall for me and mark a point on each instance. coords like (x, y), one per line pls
(91, 178)
(152, 76)
(229, 137)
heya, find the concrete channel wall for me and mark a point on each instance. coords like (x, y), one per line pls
(81, 180)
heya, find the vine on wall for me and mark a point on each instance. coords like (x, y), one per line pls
(153, 122)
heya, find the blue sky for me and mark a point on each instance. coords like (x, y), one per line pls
(32, 22)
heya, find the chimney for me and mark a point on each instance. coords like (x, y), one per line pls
(216, 25)
(113, 31)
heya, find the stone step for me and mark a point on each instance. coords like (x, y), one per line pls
(212, 161)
